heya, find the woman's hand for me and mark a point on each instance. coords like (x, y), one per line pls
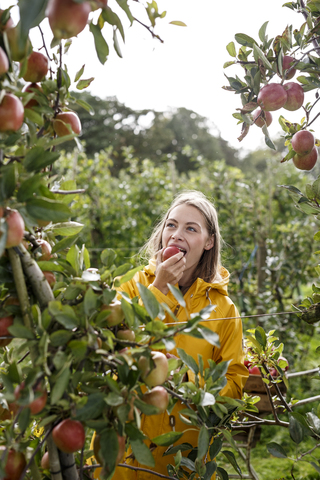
(169, 271)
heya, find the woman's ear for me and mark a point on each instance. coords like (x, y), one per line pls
(209, 243)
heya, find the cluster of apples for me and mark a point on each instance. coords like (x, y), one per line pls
(255, 370)
(67, 18)
(274, 96)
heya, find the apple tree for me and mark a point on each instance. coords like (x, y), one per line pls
(76, 358)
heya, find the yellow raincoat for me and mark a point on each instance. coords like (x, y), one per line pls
(199, 295)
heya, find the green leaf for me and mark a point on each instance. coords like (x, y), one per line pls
(182, 447)
(276, 450)
(42, 208)
(109, 447)
(209, 335)
(258, 53)
(112, 18)
(142, 453)
(116, 44)
(177, 295)
(90, 302)
(24, 419)
(216, 447)
(85, 105)
(78, 349)
(107, 257)
(315, 466)
(232, 459)
(60, 386)
(8, 180)
(73, 258)
(203, 442)
(47, 266)
(122, 269)
(64, 314)
(262, 32)
(222, 474)
(65, 243)
(167, 439)
(231, 49)
(66, 228)
(60, 337)
(149, 300)
(92, 409)
(29, 187)
(79, 73)
(38, 158)
(261, 336)
(33, 116)
(145, 407)
(124, 5)
(188, 360)
(245, 40)
(101, 45)
(129, 275)
(31, 14)
(186, 462)
(20, 331)
(82, 84)
(178, 23)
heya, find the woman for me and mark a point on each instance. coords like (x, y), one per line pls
(191, 224)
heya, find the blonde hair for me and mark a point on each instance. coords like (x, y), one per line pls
(209, 262)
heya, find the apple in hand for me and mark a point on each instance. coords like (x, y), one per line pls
(157, 375)
(169, 252)
(261, 118)
(37, 67)
(11, 113)
(66, 123)
(5, 323)
(158, 397)
(307, 161)
(69, 435)
(15, 464)
(302, 142)
(272, 97)
(67, 18)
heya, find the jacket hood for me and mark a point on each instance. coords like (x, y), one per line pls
(220, 283)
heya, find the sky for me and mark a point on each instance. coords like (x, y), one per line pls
(187, 69)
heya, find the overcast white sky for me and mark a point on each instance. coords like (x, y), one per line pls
(186, 70)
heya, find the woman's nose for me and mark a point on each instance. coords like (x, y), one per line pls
(177, 234)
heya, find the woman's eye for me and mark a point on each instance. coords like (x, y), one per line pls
(192, 229)
(170, 225)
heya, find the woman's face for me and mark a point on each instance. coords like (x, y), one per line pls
(186, 229)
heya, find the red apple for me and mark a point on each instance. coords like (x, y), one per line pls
(61, 122)
(38, 404)
(302, 142)
(116, 316)
(286, 65)
(15, 227)
(50, 277)
(247, 363)
(169, 252)
(254, 370)
(272, 97)
(306, 162)
(4, 62)
(45, 248)
(5, 323)
(31, 87)
(157, 375)
(274, 372)
(11, 113)
(158, 397)
(69, 435)
(15, 464)
(37, 67)
(260, 118)
(295, 96)
(67, 18)
(45, 463)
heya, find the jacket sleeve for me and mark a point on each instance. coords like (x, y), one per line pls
(231, 348)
